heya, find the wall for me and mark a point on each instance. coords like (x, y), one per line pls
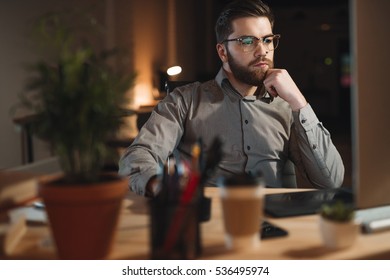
(138, 25)
(15, 17)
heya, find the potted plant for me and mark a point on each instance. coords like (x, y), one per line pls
(75, 94)
(337, 225)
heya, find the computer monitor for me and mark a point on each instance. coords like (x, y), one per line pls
(370, 42)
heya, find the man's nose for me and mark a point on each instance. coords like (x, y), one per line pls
(261, 49)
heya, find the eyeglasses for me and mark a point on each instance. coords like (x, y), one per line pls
(249, 43)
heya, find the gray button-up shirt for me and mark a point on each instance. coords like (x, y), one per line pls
(258, 134)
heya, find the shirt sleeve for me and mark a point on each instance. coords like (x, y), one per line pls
(154, 143)
(313, 152)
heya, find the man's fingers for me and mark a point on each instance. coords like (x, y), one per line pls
(272, 91)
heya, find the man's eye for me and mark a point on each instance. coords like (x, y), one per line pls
(267, 40)
(247, 41)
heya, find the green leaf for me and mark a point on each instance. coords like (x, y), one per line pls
(338, 211)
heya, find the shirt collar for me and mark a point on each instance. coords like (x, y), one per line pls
(223, 81)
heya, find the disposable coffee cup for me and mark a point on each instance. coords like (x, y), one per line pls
(242, 206)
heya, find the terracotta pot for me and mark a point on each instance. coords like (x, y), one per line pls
(83, 218)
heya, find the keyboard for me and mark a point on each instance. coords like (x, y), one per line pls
(374, 219)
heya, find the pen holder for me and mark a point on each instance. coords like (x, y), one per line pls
(174, 230)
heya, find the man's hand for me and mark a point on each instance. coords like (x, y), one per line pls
(152, 187)
(278, 82)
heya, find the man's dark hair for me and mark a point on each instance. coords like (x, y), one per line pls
(238, 9)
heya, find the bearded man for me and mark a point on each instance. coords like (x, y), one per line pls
(258, 111)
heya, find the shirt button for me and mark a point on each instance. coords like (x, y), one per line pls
(314, 147)
(246, 121)
(303, 121)
(248, 147)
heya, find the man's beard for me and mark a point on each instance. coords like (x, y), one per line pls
(247, 76)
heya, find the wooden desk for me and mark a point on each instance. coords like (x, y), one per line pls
(132, 240)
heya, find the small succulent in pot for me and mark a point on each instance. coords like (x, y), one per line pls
(338, 211)
(337, 225)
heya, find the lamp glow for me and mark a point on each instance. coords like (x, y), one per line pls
(174, 70)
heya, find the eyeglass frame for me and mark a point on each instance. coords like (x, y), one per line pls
(261, 39)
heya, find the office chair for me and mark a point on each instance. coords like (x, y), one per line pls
(171, 85)
(289, 179)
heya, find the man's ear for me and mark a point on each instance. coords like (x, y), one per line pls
(221, 50)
